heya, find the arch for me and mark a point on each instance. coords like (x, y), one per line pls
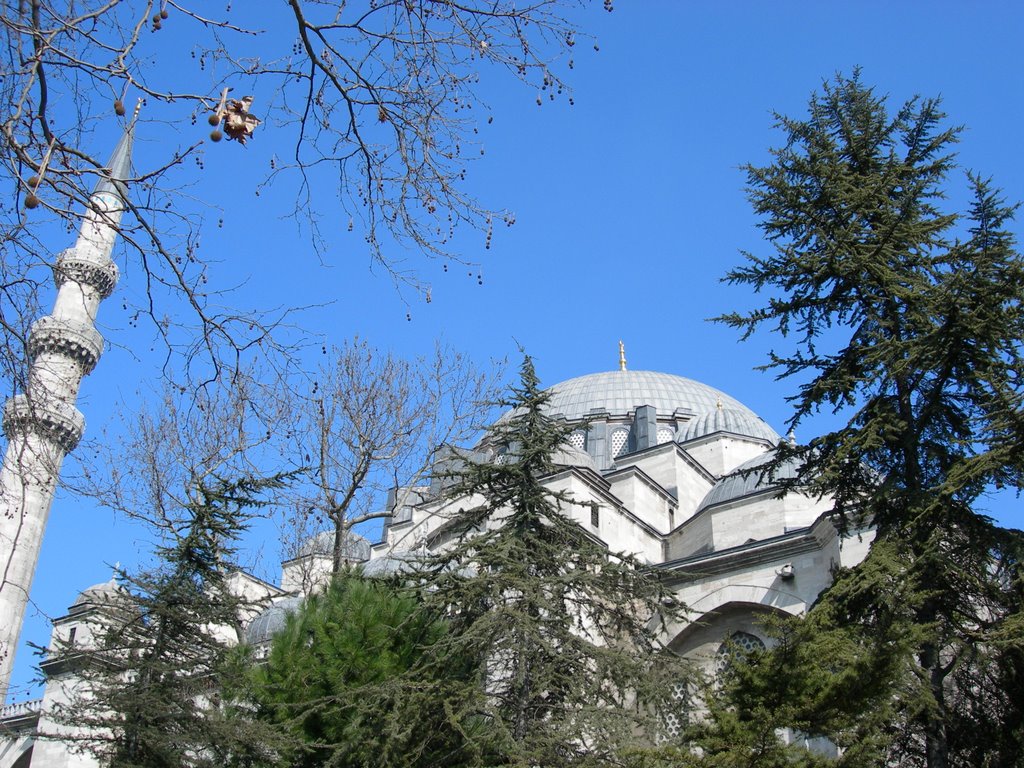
(18, 752)
(764, 597)
(705, 634)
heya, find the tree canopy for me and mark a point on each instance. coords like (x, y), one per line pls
(566, 630)
(342, 684)
(906, 320)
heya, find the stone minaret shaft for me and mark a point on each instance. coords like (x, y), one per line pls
(42, 425)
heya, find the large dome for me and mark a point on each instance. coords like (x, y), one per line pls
(620, 392)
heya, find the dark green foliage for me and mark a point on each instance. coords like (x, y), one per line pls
(565, 631)
(349, 682)
(908, 322)
(153, 685)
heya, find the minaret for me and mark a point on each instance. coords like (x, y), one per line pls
(43, 425)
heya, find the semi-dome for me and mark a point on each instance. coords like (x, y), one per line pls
(263, 628)
(354, 547)
(730, 420)
(620, 392)
(749, 478)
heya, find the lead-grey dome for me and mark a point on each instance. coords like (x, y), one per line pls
(748, 478)
(730, 420)
(100, 594)
(570, 456)
(620, 392)
(263, 628)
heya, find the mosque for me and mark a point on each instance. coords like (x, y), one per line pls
(661, 466)
(664, 467)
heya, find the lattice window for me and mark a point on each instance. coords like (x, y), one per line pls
(578, 439)
(674, 716)
(620, 442)
(665, 435)
(736, 648)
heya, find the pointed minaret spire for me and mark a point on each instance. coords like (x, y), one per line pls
(43, 425)
(119, 168)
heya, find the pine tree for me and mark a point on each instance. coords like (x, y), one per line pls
(914, 335)
(152, 685)
(565, 632)
(341, 683)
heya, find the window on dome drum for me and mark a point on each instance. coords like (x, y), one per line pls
(620, 442)
(737, 647)
(665, 435)
(578, 440)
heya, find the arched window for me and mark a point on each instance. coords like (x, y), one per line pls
(737, 647)
(665, 435)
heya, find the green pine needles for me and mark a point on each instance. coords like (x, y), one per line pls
(907, 319)
(149, 694)
(564, 631)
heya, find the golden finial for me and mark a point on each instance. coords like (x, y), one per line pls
(718, 403)
(622, 356)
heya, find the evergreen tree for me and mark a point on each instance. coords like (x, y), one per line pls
(337, 687)
(564, 632)
(914, 335)
(152, 685)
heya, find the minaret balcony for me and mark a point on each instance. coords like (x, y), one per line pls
(76, 341)
(99, 274)
(54, 419)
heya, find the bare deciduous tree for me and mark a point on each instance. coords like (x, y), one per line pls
(371, 424)
(374, 106)
(145, 673)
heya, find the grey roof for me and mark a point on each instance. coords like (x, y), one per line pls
(119, 167)
(354, 547)
(620, 392)
(263, 628)
(748, 478)
(728, 420)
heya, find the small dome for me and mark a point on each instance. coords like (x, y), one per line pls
(354, 547)
(100, 594)
(732, 420)
(571, 456)
(749, 478)
(263, 628)
(391, 564)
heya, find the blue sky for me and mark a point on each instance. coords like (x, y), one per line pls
(629, 208)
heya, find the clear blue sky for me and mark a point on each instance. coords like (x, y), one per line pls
(629, 208)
